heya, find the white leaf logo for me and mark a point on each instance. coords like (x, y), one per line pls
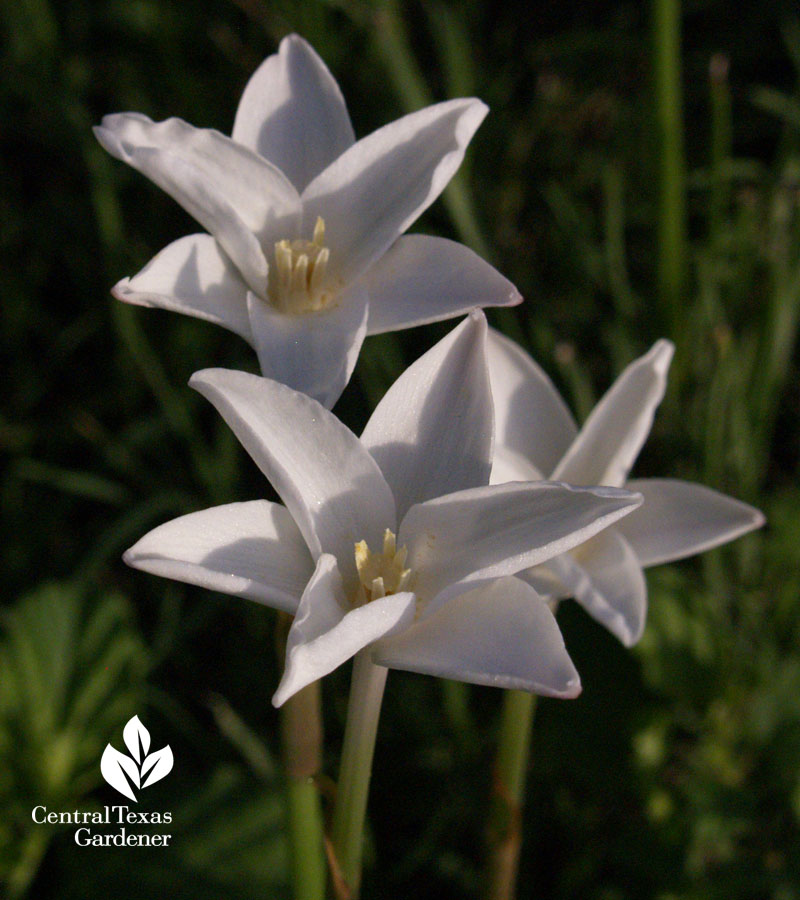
(158, 765)
(124, 773)
(137, 738)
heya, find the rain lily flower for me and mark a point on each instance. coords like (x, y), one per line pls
(537, 438)
(304, 254)
(393, 542)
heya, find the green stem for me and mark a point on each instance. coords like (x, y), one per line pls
(455, 699)
(504, 829)
(363, 711)
(302, 750)
(669, 152)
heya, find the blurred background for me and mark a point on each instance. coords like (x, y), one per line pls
(633, 188)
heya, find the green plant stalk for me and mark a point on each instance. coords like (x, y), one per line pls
(306, 839)
(670, 156)
(301, 752)
(301, 733)
(504, 829)
(455, 700)
(363, 712)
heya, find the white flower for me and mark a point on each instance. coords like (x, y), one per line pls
(537, 438)
(304, 255)
(395, 540)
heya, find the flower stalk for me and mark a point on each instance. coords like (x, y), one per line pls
(504, 830)
(363, 711)
(301, 749)
(302, 746)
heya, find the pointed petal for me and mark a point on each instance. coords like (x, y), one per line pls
(326, 632)
(192, 275)
(488, 532)
(243, 200)
(293, 113)
(531, 419)
(252, 550)
(313, 352)
(680, 518)
(431, 434)
(423, 279)
(606, 578)
(614, 433)
(331, 485)
(377, 188)
(501, 634)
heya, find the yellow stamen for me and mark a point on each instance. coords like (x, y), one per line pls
(381, 574)
(297, 280)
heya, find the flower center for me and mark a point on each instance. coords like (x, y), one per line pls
(383, 573)
(296, 281)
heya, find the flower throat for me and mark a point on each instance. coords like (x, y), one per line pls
(297, 279)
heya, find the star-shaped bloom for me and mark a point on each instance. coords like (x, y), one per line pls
(395, 540)
(537, 438)
(304, 254)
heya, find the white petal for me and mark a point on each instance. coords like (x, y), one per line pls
(293, 114)
(614, 433)
(680, 518)
(192, 275)
(243, 200)
(488, 532)
(423, 279)
(501, 634)
(312, 352)
(326, 632)
(545, 581)
(252, 549)
(531, 419)
(377, 188)
(510, 466)
(606, 578)
(329, 482)
(431, 434)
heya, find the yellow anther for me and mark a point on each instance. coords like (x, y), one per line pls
(383, 573)
(297, 280)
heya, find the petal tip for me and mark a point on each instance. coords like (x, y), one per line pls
(106, 138)
(207, 378)
(129, 557)
(661, 355)
(121, 290)
(281, 695)
(293, 40)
